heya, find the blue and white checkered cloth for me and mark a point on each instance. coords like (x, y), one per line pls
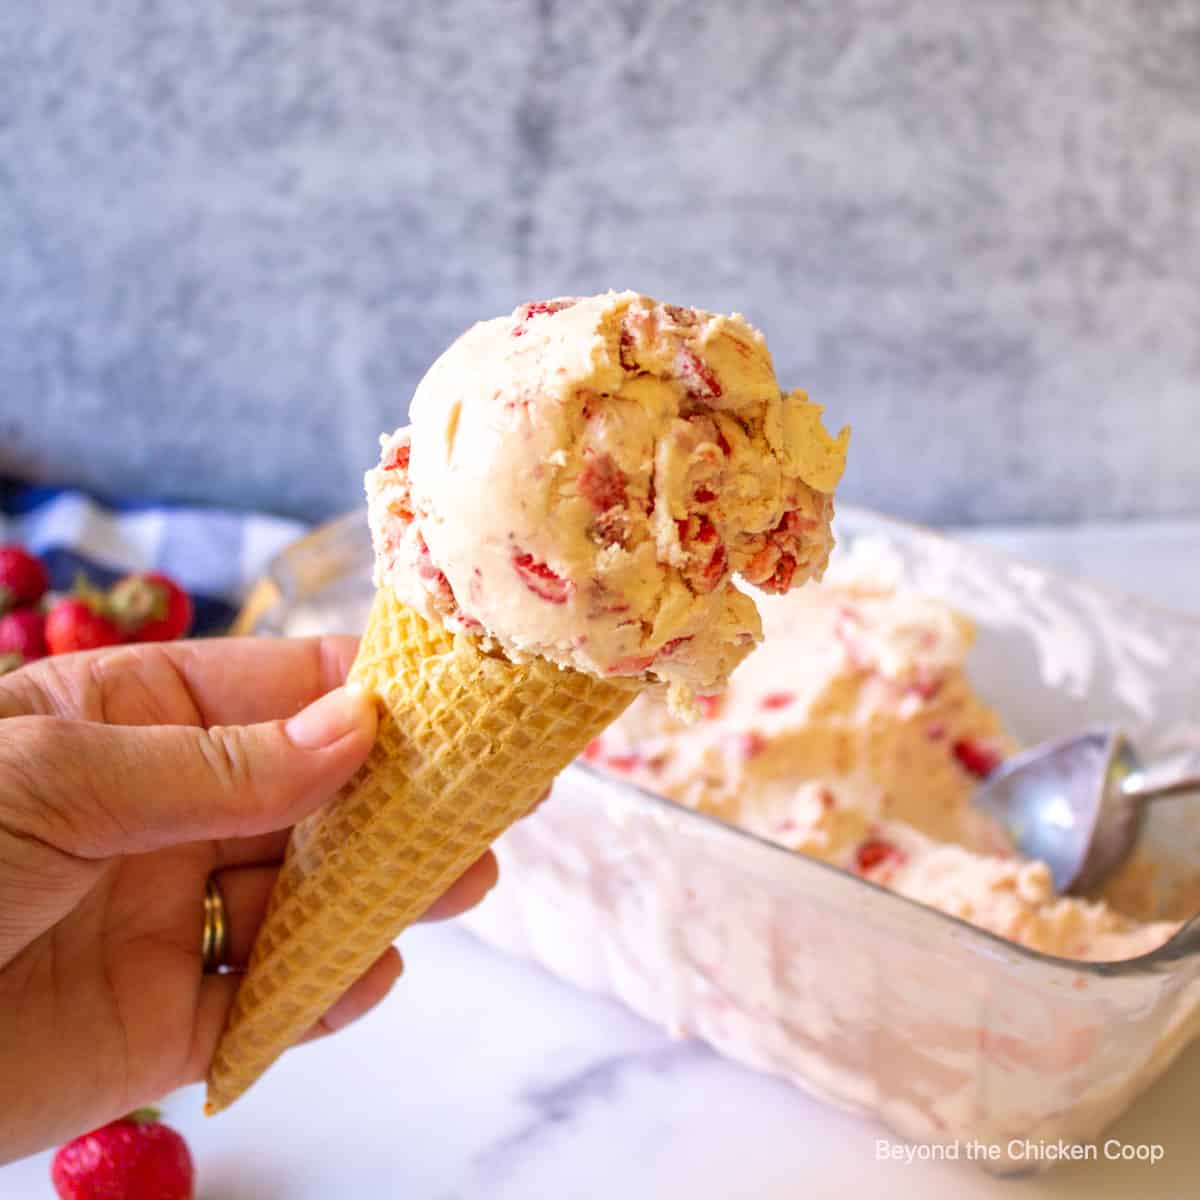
(214, 553)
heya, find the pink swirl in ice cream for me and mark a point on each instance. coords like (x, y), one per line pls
(583, 481)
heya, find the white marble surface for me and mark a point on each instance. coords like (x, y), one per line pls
(483, 1077)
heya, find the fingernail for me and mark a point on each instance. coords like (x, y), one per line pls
(336, 715)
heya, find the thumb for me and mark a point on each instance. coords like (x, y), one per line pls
(97, 790)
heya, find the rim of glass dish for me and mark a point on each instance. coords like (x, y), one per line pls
(1153, 963)
(1150, 964)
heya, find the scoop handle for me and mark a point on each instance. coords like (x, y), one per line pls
(1168, 777)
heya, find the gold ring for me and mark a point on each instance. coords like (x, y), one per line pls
(216, 929)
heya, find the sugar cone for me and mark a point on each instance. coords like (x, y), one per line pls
(467, 743)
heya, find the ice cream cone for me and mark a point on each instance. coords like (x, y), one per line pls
(467, 744)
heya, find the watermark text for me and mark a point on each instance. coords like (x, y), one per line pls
(1020, 1150)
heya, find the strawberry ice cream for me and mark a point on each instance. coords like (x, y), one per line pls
(859, 740)
(583, 481)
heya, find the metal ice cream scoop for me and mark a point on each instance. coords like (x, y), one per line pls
(1077, 804)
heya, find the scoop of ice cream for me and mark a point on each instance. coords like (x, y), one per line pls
(864, 692)
(584, 480)
(859, 740)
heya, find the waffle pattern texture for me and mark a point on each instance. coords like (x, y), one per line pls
(467, 743)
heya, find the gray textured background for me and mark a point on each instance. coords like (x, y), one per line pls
(233, 234)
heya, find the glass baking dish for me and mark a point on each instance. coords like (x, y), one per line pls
(869, 1000)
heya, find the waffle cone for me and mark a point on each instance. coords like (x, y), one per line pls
(467, 743)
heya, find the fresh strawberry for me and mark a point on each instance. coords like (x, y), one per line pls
(23, 578)
(541, 580)
(685, 318)
(781, 577)
(22, 638)
(697, 376)
(976, 757)
(538, 309)
(74, 624)
(672, 644)
(773, 567)
(150, 607)
(601, 482)
(709, 561)
(135, 1158)
(396, 458)
(873, 853)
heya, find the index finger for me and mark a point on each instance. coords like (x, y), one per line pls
(210, 681)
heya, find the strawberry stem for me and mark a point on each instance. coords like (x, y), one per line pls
(149, 1115)
(135, 600)
(95, 598)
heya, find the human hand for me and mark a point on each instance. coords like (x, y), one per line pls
(127, 778)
